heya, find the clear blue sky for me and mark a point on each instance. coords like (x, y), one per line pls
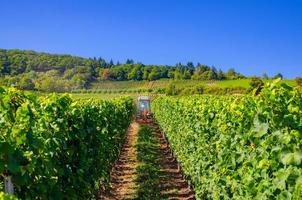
(252, 36)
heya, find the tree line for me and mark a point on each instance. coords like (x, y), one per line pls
(28, 69)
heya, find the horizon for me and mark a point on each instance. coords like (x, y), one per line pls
(252, 36)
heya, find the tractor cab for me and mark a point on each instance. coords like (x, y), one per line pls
(144, 108)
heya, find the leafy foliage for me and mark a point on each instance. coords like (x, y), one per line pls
(256, 85)
(241, 147)
(4, 196)
(57, 148)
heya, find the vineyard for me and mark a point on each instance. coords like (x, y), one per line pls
(151, 100)
(199, 147)
(56, 148)
(241, 147)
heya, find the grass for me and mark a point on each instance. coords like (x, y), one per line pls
(148, 171)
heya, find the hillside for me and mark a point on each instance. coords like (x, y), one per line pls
(114, 89)
(31, 70)
(44, 72)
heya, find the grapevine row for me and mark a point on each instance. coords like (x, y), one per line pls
(56, 148)
(237, 147)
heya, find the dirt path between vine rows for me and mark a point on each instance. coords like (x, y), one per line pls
(123, 184)
(174, 186)
(124, 174)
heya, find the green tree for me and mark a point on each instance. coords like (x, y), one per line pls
(154, 74)
(177, 75)
(46, 84)
(135, 73)
(129, 61)
(146, 72)
(118, 73)
(26, 83)
(186, 75)
(111, 63)
(52, 84)
(171, 73)
(231, 74)
(201, 69)
(279, 75)
(220, 75)
(190, 68)
(80, 80)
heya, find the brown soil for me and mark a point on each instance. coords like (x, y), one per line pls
(123, 173)
(174, 185)
(123, 184)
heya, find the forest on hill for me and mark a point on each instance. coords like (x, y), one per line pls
(46, 72)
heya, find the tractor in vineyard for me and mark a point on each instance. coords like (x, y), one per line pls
(144, 109)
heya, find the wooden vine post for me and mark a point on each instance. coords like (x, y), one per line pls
(8, 185)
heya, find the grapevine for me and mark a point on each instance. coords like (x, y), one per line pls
(58, 148)
(237, 147)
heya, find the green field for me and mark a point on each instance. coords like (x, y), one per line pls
(115, 89)
(112, 85)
